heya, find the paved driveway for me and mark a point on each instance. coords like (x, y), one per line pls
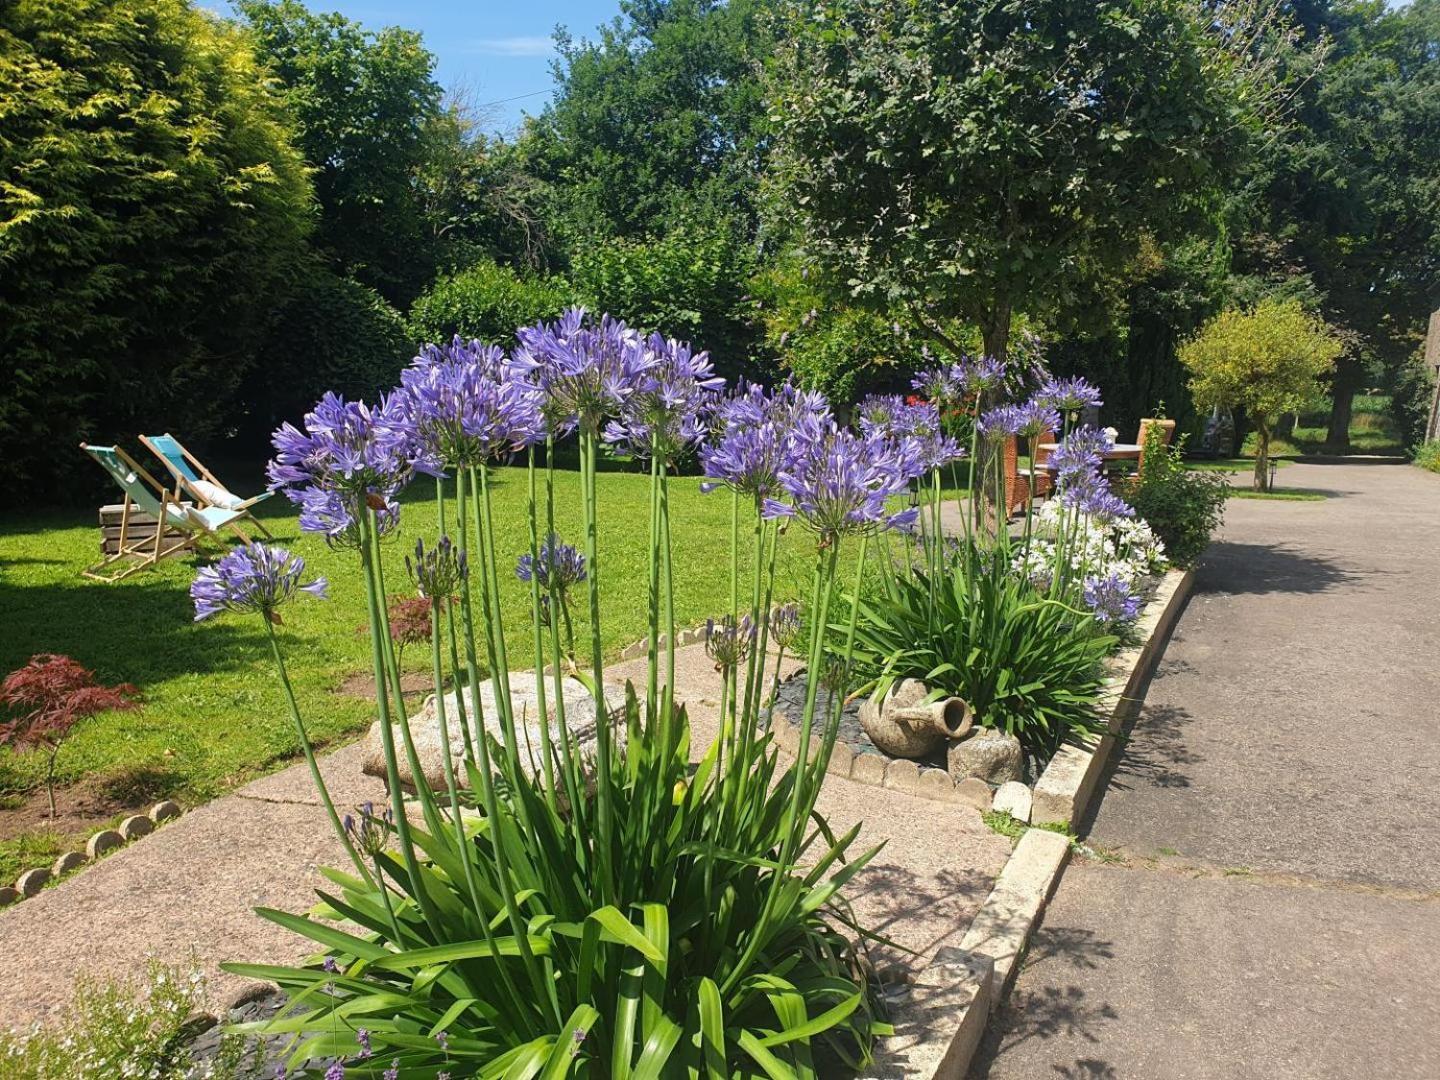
(1266, 900)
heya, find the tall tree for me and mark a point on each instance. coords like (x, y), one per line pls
(151, 203)
(968, 160)
(366, 105)
(658, 121)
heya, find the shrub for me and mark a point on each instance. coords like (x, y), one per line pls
(1027, 663)
(115, 1029)
(486, 301)
(1183, 507)
(1427, 456)
(1411, 400)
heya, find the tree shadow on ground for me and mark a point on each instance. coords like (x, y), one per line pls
(1154, 754)
(1232, 568)
(919, 912)
(1052, 1012)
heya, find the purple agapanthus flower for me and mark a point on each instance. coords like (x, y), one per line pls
(957, 383)
(561, 565)
(349, 456)
(892, 416)
(1082, 451)
(669, 409)
(1111, 599)
(755, 435)
(255, 578)
(1092, 495)
(465, 408)
(1069, 395)
(439, 571)
(1037, 418)
(1001, 422)
(839, 483)
(585, 370)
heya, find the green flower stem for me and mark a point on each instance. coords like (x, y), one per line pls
(574, 785)
(666, 555)
(604, 840)
(463, 846)
(546, 747)
(368, 536)
(308, 749)
(652, 651)
(452, 634)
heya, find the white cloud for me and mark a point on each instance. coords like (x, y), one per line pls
(513, 46)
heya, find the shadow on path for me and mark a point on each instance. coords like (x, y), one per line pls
(1231, 568)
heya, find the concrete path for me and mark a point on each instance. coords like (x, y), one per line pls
(1266, 896)
(189, 889)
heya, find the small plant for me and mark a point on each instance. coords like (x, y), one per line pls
(1427, 456)
(117, 1029)
(50, 695)
(1184, 507)
(409, 624)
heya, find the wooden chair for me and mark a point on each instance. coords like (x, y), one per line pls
(1167, 432)
(1038, 473)
(192, 478)
(171, 528)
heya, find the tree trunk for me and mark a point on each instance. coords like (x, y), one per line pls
(1337, 437)
(1262, 456)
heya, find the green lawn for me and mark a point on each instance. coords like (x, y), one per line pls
(214, 716)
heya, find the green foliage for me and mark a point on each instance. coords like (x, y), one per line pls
(688, 284)
(332, 333)
(120, 1029)
(1183, 506)
(827, 341)
(486, 301)
(1027, 664)
(1427, 456)
(655, 124)
(969, 160)
(366, 107)
(1267, 361)
(150, 206)
(1412, 400)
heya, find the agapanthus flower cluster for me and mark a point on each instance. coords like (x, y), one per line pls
(1127, 547)
(728, 642)
(463, 406)
(785, 625)
(1111, 599)
(349, 457)
(560, 565)
(370, 832)
(755, 435)
(1036, 419)
(839, 483)
(1069, 395)
(438, 571)
(667, 412)
(917, 421)
(960, 382)
(255, 579)
(1001, 422)
(586, 370)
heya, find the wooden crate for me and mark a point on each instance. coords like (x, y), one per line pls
(141, 526)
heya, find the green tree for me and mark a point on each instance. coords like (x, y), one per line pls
(368, 112)
(971, 160)
(151, 203)
(657, 122)
(1267, 361)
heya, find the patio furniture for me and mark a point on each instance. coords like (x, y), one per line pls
(1167, 432)
(141, 540)
(1039, 473)
(192, 478)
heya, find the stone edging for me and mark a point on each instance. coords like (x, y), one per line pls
(940, 1020)
(97, 847)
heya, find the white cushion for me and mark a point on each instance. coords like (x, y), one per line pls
(216, 495)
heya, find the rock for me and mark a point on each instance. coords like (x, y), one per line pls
(1013, 798)
(972, 791)
(902, 775)
(936, 784)
(71, 860)
(841, 760)
(9, 895)
(103, 841)
(136, 826)
(425, 728)
(164, 811)
(32, 881)
(989, 755)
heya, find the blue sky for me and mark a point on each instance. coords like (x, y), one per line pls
(489, 50)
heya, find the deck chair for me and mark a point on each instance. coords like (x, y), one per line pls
(192, 478)
(146, 547)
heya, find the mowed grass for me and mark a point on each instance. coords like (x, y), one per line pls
(214, 715)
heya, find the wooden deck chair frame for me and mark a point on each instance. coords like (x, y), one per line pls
(184, 485)
(147, 551)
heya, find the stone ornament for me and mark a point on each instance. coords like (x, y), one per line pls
(907, 725)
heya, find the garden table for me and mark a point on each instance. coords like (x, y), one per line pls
(1118, 452)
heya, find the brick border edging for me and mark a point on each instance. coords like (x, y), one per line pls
(938, 1027)
(99, 845)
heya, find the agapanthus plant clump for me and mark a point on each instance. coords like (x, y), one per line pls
(639, 908)
(46, 698)
(1015, 617)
